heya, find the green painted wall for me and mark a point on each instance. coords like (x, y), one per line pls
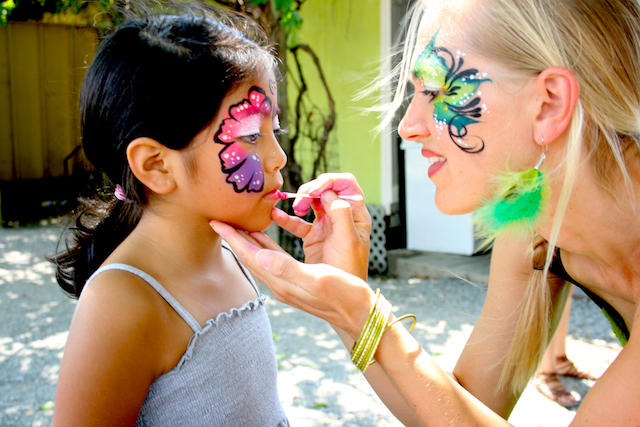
(345, 35)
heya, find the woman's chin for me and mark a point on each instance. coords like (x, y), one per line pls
(449, 207)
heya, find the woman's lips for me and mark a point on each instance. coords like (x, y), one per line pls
(434, 168)
(437, 161)
(428, 153)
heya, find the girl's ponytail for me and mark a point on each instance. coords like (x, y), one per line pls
(100, 225)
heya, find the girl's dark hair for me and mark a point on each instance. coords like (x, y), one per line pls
(162, 77)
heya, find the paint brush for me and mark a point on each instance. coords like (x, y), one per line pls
(283, 195)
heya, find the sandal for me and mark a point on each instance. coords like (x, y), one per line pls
(552, 388)
(567, 368)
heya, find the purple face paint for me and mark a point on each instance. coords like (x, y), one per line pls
(243, 169)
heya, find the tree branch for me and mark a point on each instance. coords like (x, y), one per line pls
(328, 122)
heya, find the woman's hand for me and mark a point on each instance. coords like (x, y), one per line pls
(339, 236)
(324, 291)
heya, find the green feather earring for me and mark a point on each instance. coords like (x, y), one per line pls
(518, 207)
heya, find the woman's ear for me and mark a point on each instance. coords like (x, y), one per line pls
(558, 91)
(150, 162)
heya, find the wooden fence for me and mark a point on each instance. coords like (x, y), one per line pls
(41, 70)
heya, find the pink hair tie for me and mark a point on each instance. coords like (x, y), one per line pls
(119, 193)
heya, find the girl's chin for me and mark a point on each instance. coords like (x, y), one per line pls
(251, 227)
(255, 226)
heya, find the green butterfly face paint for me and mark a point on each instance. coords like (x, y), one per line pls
(454, 92)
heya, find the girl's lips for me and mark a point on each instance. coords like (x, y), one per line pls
(273, 195)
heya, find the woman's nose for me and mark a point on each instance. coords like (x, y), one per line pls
(413, 125)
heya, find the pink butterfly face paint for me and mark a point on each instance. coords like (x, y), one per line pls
(244, 170)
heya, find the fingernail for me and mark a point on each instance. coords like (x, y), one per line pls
(216, 227)
(264, 258)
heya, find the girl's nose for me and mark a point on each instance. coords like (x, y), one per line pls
(274, 158)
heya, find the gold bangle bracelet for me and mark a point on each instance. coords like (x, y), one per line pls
(364, 349)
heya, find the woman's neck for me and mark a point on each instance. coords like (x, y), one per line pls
(607, 232)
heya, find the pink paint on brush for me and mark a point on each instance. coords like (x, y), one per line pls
(283, 195)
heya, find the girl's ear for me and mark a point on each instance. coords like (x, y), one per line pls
(557, 91)
(150, 162)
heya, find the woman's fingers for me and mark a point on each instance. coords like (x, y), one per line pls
(339, 211)
(247, 251)
(234, 237)
(264, 241)
(319, 289)
(294, 225)
(244, 249)
(256, 239)
(340, 183)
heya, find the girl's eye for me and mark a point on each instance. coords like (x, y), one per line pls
(251, 138)
(279, 132)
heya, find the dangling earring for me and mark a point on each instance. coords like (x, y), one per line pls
(519, 204)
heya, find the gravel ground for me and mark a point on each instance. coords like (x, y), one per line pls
(318, 385)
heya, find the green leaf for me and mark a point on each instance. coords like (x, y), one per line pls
(47, 406)
(293, 39)
(5, 10)
(279, 357)
(290, 20)
(283, 4)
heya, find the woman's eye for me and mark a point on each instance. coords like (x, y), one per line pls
(251, 138)
(279, 132)
(431, 93)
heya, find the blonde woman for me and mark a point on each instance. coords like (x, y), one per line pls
(529, 111)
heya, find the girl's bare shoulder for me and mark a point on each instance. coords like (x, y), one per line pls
(119, 295)
(134, 319)
(116, 348)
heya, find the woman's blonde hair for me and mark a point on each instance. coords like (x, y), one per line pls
(599, 41)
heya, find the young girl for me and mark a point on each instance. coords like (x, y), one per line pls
(180, 113)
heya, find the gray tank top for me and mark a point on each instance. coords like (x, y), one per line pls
(227, 376)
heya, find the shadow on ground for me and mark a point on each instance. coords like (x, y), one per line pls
(35, 319)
